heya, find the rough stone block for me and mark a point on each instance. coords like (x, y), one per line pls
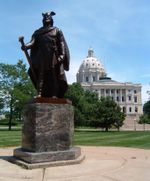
(47, 127)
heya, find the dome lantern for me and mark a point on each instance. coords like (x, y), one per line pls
(90, 53)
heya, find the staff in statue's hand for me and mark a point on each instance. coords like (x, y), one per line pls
(24, 48)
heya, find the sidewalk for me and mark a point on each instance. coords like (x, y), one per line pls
(100, 164)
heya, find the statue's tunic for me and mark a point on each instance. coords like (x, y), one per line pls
(49, 45)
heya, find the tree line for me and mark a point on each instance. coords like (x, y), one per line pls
(16, 88)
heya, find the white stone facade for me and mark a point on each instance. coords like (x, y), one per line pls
(92, 76)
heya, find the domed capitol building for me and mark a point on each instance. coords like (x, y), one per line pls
(93, 77)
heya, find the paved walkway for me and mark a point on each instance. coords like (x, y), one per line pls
(101, 164)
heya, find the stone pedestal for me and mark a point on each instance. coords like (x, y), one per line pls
(47, 133)
(47, 127)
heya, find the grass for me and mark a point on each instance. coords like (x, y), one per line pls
(10, 138)
(134, 139)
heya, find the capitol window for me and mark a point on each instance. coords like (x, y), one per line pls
(112, 91)
(117, 98)
(124, 109)
(136, 109)
(129, 98)
(135, 99)
(118, 91)
(93, 79)
(107, 91)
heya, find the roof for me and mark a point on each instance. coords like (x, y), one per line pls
(91, 63)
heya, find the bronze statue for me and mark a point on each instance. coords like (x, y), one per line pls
(49, 58)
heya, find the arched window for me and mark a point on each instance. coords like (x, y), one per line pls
(118, 99)
(93, 78)
(129, 98)
(124, 109)
(87, 79)
(136, 109)
(135, 99)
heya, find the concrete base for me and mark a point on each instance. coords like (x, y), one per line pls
(31, 157)
(30, 166)
(30, 160)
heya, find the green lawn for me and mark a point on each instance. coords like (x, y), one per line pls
(135, 139)
(10, 138)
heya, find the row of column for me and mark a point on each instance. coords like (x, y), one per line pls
(119, 95)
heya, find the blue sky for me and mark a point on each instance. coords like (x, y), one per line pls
(117, 30)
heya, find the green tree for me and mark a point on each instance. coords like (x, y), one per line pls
(24, 89)
(1, 105)
(145, 118)
(83, 102)
(146, 108)
(16, 88)
(74, 92)
(107, 113)
(119, 118)
(91, 99)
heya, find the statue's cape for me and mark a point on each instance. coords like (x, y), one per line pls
(37, 52)
(66, 62)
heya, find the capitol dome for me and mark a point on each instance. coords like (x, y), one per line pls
(91, 69)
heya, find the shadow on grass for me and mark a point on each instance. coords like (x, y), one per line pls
(95, 130)
(92, 130)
